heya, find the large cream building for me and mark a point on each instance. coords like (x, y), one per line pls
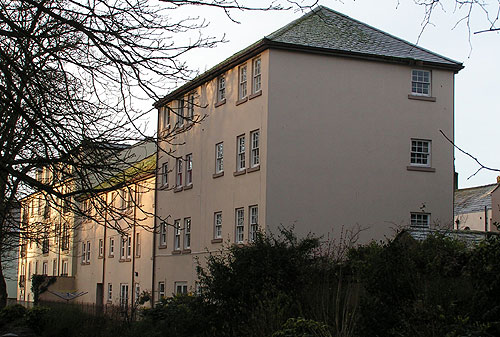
(99, 248)
(324, 125)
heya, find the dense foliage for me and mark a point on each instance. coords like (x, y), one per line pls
(284, 286)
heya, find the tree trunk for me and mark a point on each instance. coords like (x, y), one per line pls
(3, 288)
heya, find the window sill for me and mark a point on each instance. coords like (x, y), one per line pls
(164, 187)
(239, 173)
(124, 260)
(176, 252)
(84, 263)
(253, 169)
(219, 103)
(186, 251)
(188, 187)
(162, 246)
(100, 257)
(219, 240)
(178, 189)
(241, 101)
(420, 168)
(217, 175)
(257, 94)
(111, 256)
(422, 98)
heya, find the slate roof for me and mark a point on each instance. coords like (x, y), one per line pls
(326, 31)
(474, 199)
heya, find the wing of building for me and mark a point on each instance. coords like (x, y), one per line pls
(99, 247)
(477, 208)
(326, 124)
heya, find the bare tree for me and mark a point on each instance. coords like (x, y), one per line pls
(489, 10)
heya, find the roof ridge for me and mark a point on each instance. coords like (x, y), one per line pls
(412, 45)
(476, 187)
(288, 26)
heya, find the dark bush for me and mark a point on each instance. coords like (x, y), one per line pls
(37, 317)
(12, 313)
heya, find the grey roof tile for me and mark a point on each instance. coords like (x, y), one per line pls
(475, 199)
(327, 29)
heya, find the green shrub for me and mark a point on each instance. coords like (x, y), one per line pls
(12, 313)
(246, 283)
(37, 317)
(300, 327)
(181, 316)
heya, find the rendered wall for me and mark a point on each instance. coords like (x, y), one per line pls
(338, 145)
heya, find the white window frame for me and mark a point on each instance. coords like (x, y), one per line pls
(256, 75)
(253, 218)
(221, 88)
(165, 117)
(137, 292)
(239, 232)
(137, 244)
(420, 220)
(242, 82)
(177, 234)
(218, 225)
(45, 268)
(88, 251)
(110, 292)
(164, 174)
(240, 153)
(129, 246)
(161, 290)
(187, 233)
(417, 152)
(101, 247)
(181, 287)
(419, 85)
(190, 107)
(111, 247)
(219, 157)
(180, 112)
(254, 148)
(189, 169)
(124, 295)
(122, 194)
(64, 268)
(84, 252)
(54, 267)
(163, 234)
(123, 247)
(178, 172)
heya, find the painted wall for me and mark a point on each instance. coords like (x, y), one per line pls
(495, 205)
(338, 146)
(111, 268)
(475, 221)
(210, 194)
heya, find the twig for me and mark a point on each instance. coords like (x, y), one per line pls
(481, 166)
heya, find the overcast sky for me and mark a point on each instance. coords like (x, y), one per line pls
(477, 113)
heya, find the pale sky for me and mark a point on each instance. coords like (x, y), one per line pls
(477, 114)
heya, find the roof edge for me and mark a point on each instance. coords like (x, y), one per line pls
(215, 71)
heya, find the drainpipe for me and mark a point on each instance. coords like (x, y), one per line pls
(133, 249)
(485, 218)
(104, 289)
(153, 253)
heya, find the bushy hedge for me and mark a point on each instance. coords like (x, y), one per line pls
(285, 286)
